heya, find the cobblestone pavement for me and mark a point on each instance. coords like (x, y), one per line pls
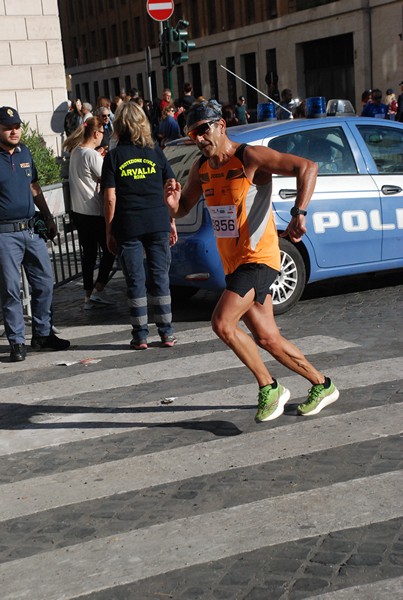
(143, 476)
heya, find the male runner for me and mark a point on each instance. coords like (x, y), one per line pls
(236, 182)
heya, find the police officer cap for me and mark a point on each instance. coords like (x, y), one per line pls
(203, 111)
(9, 116)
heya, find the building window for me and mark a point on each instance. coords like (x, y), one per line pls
(271, 78)
(151, 32)
(116, 86)
(114, 35)
(250, 13)
(96, 91)
(180, 78)
(128, 83)
(231, 81)
(106, 88)
(84, 49)
(211, 15)
(140, 83)
(194, 19)
(86, 92)
(77, 90)
(271, 9)
(75, 49)
(137, 34)
(212, 72)
(196, 79)
(230, 13)
(104, 44)
(126, 37)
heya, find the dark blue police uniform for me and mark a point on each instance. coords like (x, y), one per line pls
(19, 245)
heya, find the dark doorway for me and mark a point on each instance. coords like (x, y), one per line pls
(329, 67)
(196, 79)
(248, 66)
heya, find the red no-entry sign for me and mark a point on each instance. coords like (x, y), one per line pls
(160, 11)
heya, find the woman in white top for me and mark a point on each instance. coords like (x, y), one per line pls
(87, 207)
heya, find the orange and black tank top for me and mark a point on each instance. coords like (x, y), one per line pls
(241, 215)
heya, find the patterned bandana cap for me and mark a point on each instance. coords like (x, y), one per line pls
(9, 116)
(203, 111)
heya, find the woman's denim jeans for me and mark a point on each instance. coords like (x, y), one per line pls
(155, 246)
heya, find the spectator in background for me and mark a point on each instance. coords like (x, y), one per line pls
(228, 114)
(116, 100)
(399, 115)
(137, 221)
(366, 97)
(185, 102)
(241, 111)
(85, 170)
(86, 111)
(286, 103)
(105, 115)
(168, 128)
(104, 102)
(375, 108)
(391, 103)
(133, 94)
(73, 118)
(300, 111)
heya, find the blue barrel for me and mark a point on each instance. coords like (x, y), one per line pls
(266, 111)
(315, 107)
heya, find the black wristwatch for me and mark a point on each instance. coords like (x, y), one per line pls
(295, 211)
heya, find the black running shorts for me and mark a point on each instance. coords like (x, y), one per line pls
(252, 276)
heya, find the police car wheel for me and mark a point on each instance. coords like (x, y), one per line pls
(289, 285)
(182, 292)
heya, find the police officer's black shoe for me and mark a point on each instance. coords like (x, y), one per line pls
(48, 342)
(18, 352)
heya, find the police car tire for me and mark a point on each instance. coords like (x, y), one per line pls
(293, 272)
(182, 292)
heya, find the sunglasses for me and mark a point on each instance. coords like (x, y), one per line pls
(106, 115)
(201, 130)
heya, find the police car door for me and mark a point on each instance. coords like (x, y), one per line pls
(338, 221)
(384, 142)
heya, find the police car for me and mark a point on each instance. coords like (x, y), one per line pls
(354, 220)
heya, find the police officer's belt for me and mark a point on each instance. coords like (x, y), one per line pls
(10, 227)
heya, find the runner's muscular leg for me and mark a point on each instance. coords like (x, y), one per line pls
(259, 319)
(226, 316)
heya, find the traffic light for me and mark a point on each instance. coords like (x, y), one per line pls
(175, 45)
(180, 44)
(165, 39)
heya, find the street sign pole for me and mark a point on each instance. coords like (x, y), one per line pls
(165, 25)
(149, 69)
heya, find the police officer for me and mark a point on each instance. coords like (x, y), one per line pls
(19, 245)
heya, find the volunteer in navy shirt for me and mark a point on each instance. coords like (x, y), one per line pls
(137, 221)
(21, 246)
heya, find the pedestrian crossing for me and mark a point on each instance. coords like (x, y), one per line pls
(195, 490)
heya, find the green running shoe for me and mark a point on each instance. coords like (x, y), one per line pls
(271, 402)
(318, 398)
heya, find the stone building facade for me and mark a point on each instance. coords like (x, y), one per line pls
(315, 47)
(32, 72)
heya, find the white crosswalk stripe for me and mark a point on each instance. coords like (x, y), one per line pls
(144, 553)
(133, 555)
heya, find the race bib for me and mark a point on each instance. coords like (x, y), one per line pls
(224, 221)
